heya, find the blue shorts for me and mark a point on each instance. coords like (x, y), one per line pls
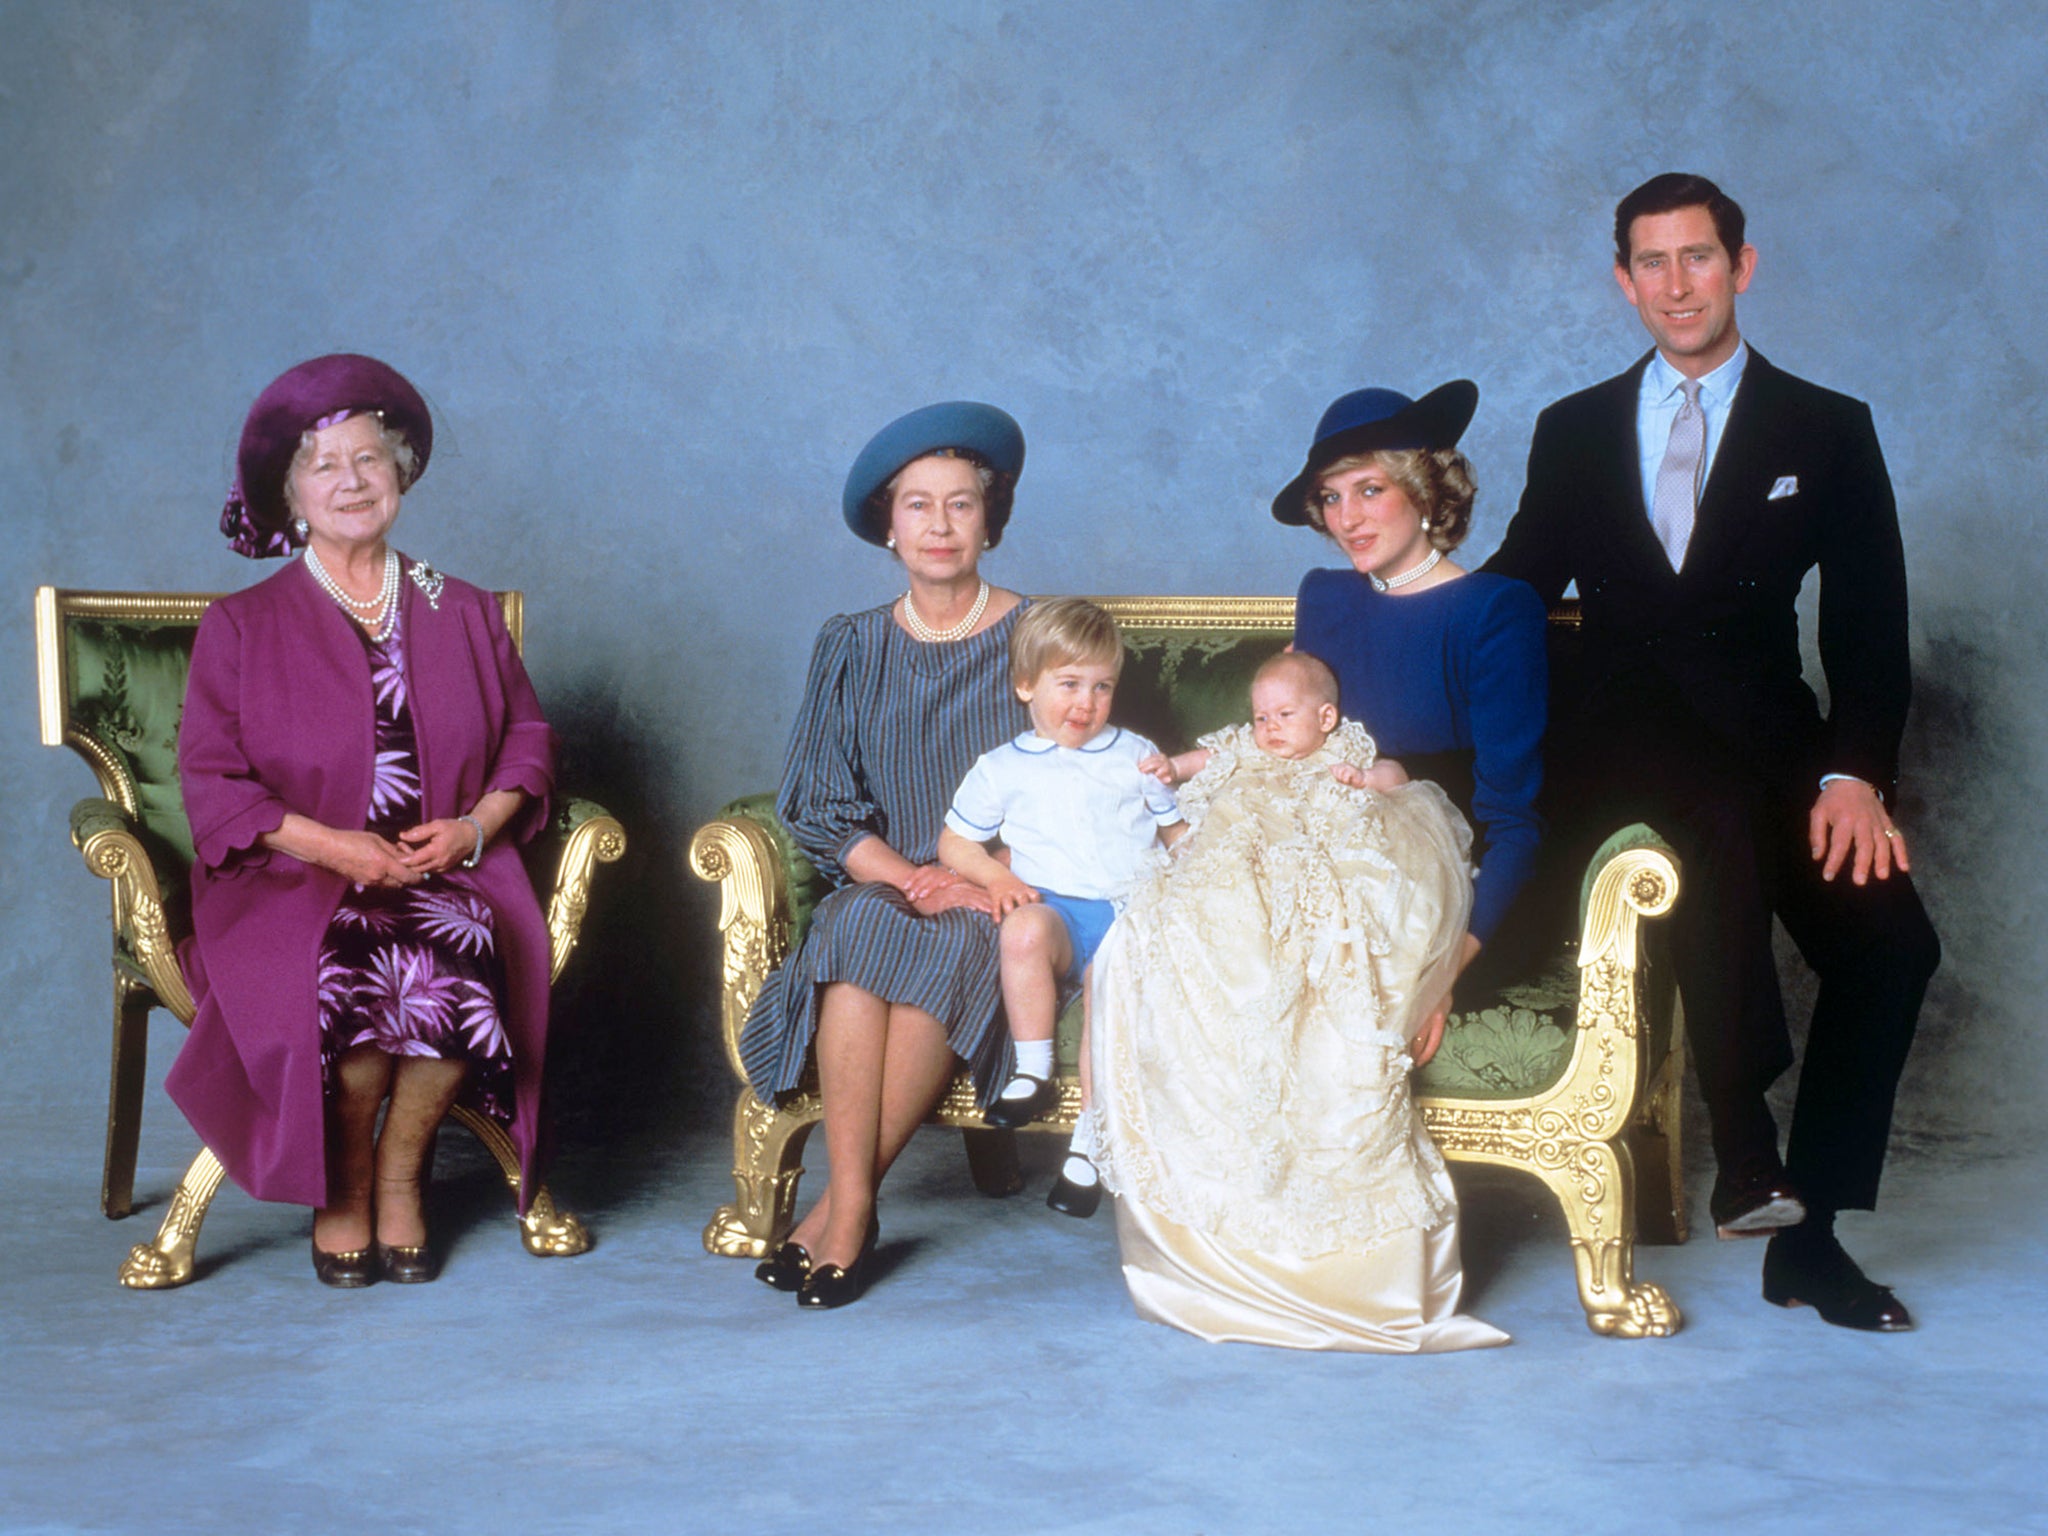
(1087, 924)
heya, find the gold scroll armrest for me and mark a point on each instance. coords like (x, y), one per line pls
(591, 836)
(741, 857)
(105, 835)
(1610, 1055)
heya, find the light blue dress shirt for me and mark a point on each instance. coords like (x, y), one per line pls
(1657, 403)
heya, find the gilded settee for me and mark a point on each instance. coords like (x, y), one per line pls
(111, 672)
(1572, 1076)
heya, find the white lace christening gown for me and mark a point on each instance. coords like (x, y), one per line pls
(1251, 1015)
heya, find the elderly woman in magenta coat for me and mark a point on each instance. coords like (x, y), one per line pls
(360, 751)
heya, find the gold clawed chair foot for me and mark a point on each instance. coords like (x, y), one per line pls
(167, 1262)
(548, 1233)
(767, 1163)
(1595, 1184)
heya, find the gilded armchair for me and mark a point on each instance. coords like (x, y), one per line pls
(111, 675)
(1572, 1077)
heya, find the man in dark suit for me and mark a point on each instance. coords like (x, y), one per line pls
(1689, 498)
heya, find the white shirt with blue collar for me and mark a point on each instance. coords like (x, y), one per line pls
(1657, 403)
(1079, 821)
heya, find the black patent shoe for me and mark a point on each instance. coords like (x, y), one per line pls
(1007, 1114)
(1816, 1272)
(349, 1270)
(1071, 1198)
(786, 1269)
(828, 1285)
(406, 1264)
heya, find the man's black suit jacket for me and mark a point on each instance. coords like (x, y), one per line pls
(1718, 642)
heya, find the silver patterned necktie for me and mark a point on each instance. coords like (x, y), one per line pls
(1678, 477)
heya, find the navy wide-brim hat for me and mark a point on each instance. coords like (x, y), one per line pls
(319, 391)
(1367, 420)
(989, 434)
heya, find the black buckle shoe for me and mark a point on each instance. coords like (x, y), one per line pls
(829, 1286)
(786, 1269)
(349, 1270)
(1014, 1114)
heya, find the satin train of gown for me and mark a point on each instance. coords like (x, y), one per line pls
(1398, 1298)
(1252, 1009)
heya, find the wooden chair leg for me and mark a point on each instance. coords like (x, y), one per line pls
(548, 1233)
(1657, 1151)
(767, 1163)
(1593, 1181)
(992, 1161)
(124, 1095)
(167, 1262)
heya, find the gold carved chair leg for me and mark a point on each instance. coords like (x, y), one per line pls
(167, 1262)
(767, 1163)
(1594, 1182)
(132, 1002)
(992, 1161)
(548, 1233)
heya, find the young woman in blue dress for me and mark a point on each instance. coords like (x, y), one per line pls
(1445, 667)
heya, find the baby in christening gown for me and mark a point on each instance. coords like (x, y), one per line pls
(1250, 1045)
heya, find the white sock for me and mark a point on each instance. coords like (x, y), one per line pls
(1034, 1059)
(1078, 1170)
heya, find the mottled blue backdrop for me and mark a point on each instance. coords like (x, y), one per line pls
(662, 268)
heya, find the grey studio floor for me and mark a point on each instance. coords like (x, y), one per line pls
(995, 1378)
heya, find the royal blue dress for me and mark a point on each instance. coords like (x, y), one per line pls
(1454, 682)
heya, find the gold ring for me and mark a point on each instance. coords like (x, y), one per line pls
(1891, 831)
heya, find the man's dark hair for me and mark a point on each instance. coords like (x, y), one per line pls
(1667, 194)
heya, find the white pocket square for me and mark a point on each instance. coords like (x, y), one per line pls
(1788, 485)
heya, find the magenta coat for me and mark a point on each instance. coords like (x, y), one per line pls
(278, 717)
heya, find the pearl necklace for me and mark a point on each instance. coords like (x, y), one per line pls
(385, 602)
(914, 621)
(1413, 573)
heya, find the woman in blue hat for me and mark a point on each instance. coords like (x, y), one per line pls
(1255, 1203)
(1445, 666)
(896, 981)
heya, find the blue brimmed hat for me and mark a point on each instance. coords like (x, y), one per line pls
(989, 434)
(1367, 420)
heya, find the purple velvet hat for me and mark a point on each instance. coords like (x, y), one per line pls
(318, 392)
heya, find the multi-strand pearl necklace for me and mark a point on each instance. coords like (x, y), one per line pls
(385, 602)
(1413, 573)
(914, 621)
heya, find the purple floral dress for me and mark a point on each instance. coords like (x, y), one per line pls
(413, 972)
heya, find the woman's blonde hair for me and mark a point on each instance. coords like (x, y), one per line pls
(1437, 480)
(1059, 632)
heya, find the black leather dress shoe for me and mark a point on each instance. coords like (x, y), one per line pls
(405, 1265)
(828, 1285)
(786, 1268)
(1803, 1271)
(1009, 1114)
(349, 1270)
(1757, 1199)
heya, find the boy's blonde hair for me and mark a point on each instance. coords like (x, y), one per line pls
(1305, 672)
(1059, 632)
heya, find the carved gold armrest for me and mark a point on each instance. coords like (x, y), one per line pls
(592, 836)
(105, 835)
(740, 856)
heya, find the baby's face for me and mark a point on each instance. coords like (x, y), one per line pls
(1287, 721)
(1069, 703)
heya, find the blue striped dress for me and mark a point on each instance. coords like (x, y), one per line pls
(888, 729)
